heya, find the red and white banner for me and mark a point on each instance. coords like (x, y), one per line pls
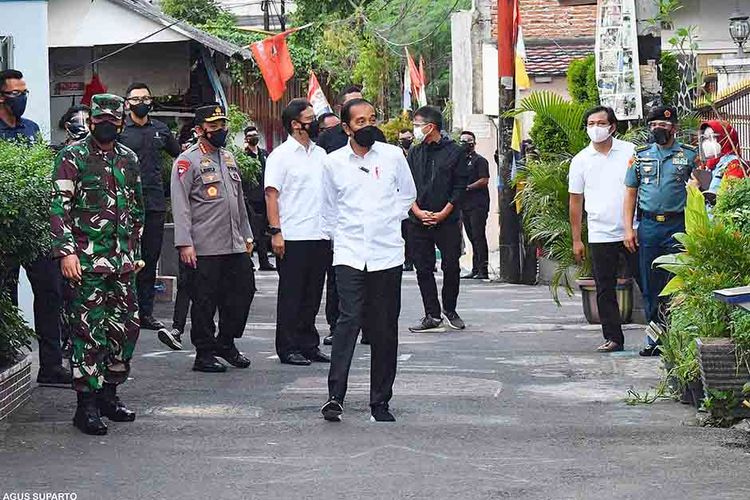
(316, 97)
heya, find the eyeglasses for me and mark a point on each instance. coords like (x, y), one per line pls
(16, 93)
(660, 124)
(139, 100)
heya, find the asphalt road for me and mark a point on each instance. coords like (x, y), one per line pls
(516, 406)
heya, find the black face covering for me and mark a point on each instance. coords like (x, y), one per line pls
(105, 132)
(218, 139)
(661, 135)
(141, 110)
(366, 136)
(17, 105)
(406, 143)
(253, 141)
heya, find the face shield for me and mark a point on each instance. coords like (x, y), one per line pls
(710, 148)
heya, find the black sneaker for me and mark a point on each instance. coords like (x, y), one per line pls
(332, 411)
(328, 340)
(55, 375)
(381, 413)
(454, 320)
(151, 323)
(171, 339)
(428, 324)
(652, 350)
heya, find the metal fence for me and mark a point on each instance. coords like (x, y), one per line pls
(734, 108)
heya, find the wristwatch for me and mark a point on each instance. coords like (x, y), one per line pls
(249, 241)
(273, 231)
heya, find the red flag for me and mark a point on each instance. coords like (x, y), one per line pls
(316, 96)
(275, 63)
(421, 71)
(414, 75)
(95, 86)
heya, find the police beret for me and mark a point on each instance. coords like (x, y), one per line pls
(210, 113)
(664, 113)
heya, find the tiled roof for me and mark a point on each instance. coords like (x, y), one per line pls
(548, 58)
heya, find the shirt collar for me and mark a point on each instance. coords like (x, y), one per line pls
(130, 123)
(353, 154)
(617, 145)
(20, 123)
(296, 145)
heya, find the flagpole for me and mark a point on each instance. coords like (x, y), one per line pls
(510, 227)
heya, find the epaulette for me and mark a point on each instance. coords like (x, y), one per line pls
(689, 147)
(641, 149)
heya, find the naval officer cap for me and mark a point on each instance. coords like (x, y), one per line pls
(663, 113)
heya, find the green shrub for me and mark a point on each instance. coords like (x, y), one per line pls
(25, 188)
(393, 126)
(582, 81)
(670, 77)
(548, 138)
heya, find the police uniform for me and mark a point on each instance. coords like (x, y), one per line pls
(96, 214)
(210, 215)
(660, 174)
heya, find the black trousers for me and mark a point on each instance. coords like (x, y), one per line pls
(332, 299)
(447, 237)
(226, 283)
(302, 273)
(408, 260)
(259, 224)
(182, 301)
(47, 284)
(606, 260)
(475, 222)
(153, 234)
(379, 293)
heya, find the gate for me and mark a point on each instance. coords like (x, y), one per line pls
(733, 105)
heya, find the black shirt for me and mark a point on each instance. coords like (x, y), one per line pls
(477, 199)
(440, 174)
(148, 141)
(256, 196)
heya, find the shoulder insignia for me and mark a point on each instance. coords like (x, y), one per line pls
(182, 167)
(640, 149)
(689, 147)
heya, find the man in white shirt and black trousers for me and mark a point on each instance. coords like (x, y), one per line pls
(596, 177)
(294, 184)
(368, 190)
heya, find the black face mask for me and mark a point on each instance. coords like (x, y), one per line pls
(105, 132)
(366, 136)
(468, 147)
(253, 141)
(17, 105)
(406, 143)
(217, 139)
(141, 109)
(661, 136)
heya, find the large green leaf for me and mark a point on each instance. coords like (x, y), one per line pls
(696, 214)
(566, 114)
(676, 284)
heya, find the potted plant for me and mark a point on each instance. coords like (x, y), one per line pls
(706, 338)
(25, 189)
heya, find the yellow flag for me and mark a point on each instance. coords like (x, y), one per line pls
(515, 141)
(522, 78)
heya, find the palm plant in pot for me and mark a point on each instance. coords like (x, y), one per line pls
(542, 188)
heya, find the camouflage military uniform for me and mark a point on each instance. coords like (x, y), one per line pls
(97, 214)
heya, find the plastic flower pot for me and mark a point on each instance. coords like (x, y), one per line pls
(624, 292)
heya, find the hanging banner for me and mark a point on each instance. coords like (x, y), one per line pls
(617, 72)
(316, 97)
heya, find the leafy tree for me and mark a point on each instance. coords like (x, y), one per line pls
(582, 81)
(670, 77)
(196, 12)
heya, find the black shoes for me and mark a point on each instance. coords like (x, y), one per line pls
(234, 357)
(87, 418)
(652, 350)
(318, 356)
(110, 405)
(295, 359)
(454, 320)
(364, 340)
(328, 340)
(332, 411)
(381, 413)
(267, 267)
(428, 324)
(171, 338)
(482, 276)
(55, 375)
(208, 363)
(151, 323)
(469, 276)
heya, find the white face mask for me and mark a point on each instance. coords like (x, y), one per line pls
(419, 134)
(598, 134)
(711, 148)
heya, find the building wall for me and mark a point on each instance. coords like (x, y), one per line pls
(711, 19)
(547, 19)
(28, 27)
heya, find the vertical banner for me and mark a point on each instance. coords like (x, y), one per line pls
(617, 72)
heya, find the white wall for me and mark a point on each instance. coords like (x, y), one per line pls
(28, 27)
(711, 17)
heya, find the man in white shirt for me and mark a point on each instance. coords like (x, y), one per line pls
(368, 190)
(596, 176)
(293, 187)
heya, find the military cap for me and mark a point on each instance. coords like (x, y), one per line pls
(210, 113)
(665, 113)
(108, 104)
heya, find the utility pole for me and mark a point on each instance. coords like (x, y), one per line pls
(282, 19)
(510, 227)
(265, 7)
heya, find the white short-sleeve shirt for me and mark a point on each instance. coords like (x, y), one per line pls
(601, 180)
(296, 173)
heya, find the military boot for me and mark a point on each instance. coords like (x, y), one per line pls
(87, 417)
(110, 405)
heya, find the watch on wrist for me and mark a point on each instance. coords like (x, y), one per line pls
(273, 231)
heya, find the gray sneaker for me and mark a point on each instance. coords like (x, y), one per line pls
(428, 324)
(454, 320)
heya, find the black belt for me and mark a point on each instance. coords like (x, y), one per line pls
(662, 217)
